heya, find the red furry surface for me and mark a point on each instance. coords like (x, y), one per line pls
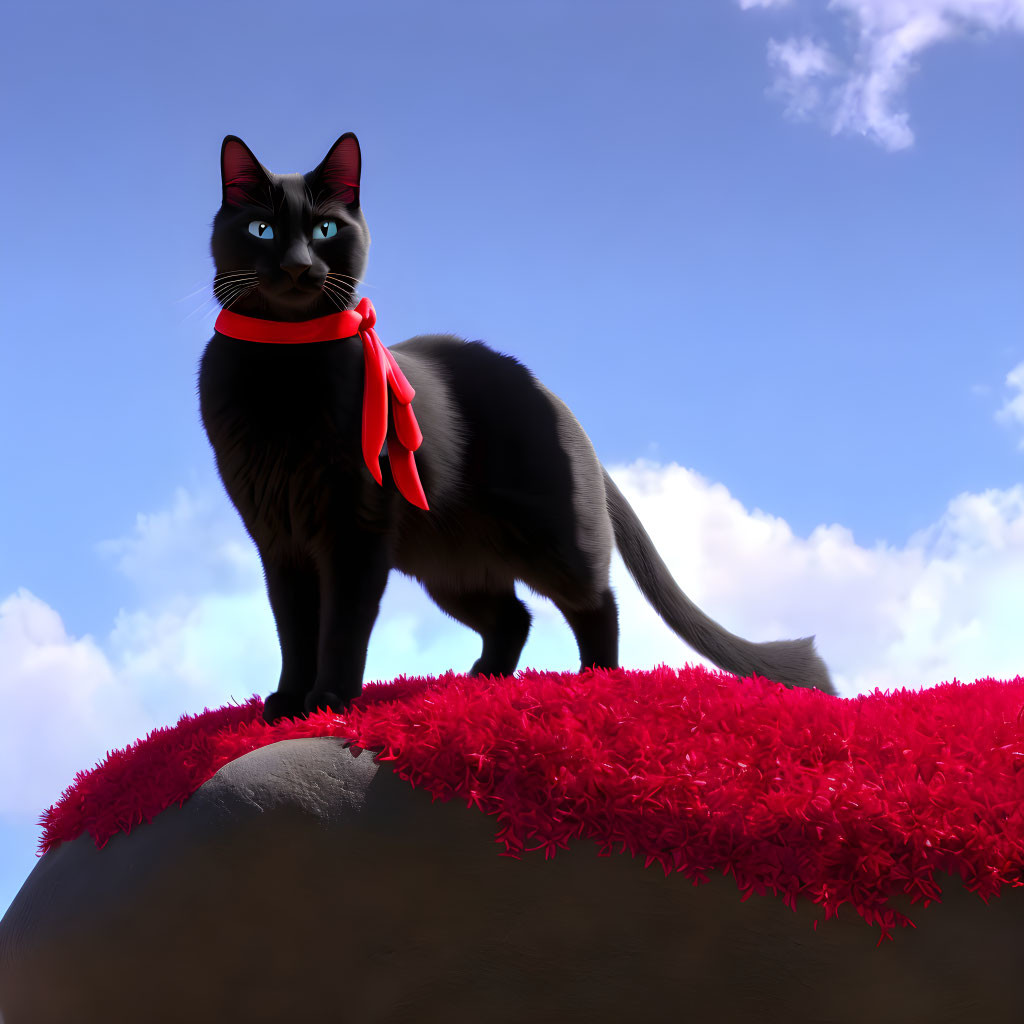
(793, 792)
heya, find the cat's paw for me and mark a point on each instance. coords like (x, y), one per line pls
(283, 705)
(326, 700)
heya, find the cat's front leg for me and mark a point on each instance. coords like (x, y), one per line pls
(294, 591)
(352, 581)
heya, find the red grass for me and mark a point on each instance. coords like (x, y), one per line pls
(792, 791)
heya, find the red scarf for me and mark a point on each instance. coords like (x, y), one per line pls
(382, 374)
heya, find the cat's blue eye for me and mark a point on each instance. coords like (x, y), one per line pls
(261, 229)
(325, 229)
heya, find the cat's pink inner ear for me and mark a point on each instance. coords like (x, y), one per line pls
(243, 176)
(340, 171)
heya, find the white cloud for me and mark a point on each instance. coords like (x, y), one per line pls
(200, 635)
(747, 5)
(946, 604)
(886, 39)
(867, 102)
(196, 650)
(202, 631)
(64, 706)
(1012, 411)
(802, 58)
(801, 65)
(197, 544)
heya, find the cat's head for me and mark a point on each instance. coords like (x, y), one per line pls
(289, 246)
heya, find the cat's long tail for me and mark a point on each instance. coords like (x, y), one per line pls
(794, 662)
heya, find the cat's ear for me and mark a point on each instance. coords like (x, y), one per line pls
(243, 177)
(340, 169)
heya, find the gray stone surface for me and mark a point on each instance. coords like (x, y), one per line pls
(303, 884)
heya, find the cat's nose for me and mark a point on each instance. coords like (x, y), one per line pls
(296, 263)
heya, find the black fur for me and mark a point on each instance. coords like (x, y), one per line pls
(515, 489)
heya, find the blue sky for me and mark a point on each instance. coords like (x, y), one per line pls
(769, 252)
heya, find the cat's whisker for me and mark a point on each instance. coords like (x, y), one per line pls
(241, 279)
(204, 282)
(203, 310)
(339, 289)
(231, 296)
(219, 283)
(185, 298)
(337, 282)
(339, 298)
(341, 302)
(356, 283)
(237, 286)
(228, 305)
(340, 278)
(229, 293)
(247, 282)
(225, 300)
(208, 308)
(348, 285)
(335, 302)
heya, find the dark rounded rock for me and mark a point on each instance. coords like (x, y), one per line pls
(302, 883)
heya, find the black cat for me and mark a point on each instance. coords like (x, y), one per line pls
(515, 491)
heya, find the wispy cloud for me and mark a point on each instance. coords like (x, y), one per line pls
(946, 603)
(862, 91)
(1012, 411)
(802, 67)
(191, 546)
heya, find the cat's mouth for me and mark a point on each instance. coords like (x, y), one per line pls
(301, 286)
(296, 296)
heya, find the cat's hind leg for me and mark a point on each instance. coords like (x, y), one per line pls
(501, 619)
(596, 628)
